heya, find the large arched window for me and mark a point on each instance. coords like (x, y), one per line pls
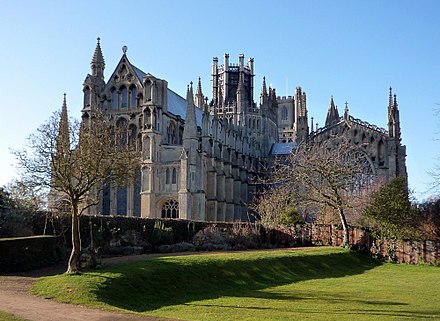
(170, 209)
(124, 97)
(133, 97)
(114, 95)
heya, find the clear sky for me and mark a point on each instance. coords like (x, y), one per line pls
(353, 50)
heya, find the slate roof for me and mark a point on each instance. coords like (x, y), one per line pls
(282, 148)
(176, 103)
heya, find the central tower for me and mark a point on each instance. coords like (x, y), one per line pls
(232, 88)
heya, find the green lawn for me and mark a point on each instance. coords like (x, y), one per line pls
(314, 284)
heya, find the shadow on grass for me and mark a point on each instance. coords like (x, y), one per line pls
(152, 284)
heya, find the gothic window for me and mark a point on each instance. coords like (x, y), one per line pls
(284, 113)
(106, 199)
(137, 193)
(114, 95)
(174, 177)
(121, 204)
(170, 209)
(171, 132)
(124, 97)
(167, 176)
(381, 152)
(133, 135)
(133, 97)
(122, 130)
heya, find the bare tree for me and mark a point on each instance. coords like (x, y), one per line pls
(271, 206)
(73, 161)
(324, 175)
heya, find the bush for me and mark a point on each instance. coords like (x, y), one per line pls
(390, 213)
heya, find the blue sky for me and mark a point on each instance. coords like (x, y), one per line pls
(353, 50)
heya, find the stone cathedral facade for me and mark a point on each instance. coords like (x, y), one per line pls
(198, 153)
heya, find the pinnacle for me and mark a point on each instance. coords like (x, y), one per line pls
(98, 58)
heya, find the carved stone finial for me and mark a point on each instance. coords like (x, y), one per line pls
(124, 49)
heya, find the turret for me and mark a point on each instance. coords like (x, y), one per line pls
(301, 115)
(214, 80)
(241, 62)
(393, 116)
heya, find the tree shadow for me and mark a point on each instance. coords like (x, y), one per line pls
(149, 285)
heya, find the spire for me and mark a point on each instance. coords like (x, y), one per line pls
(332, 114)
(63, 139)
(98, 64)
(199, 88)
(264, 89)
(190, 129)
(199, 95)
(390, 102)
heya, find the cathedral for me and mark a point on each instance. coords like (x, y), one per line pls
(199, 154)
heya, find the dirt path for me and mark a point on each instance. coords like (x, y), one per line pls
(16, 299)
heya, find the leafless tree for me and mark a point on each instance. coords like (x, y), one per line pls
(73, 161)
(270, 207)
(324, 175)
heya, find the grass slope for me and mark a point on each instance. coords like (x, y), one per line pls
(315, 284)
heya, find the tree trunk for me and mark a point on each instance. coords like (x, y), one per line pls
(72, 266)
(346, 241)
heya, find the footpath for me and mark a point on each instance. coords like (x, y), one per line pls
(16, 299)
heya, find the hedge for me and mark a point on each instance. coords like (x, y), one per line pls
(26, 253)
(107, 228)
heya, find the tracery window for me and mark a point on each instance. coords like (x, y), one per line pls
(170, 209)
